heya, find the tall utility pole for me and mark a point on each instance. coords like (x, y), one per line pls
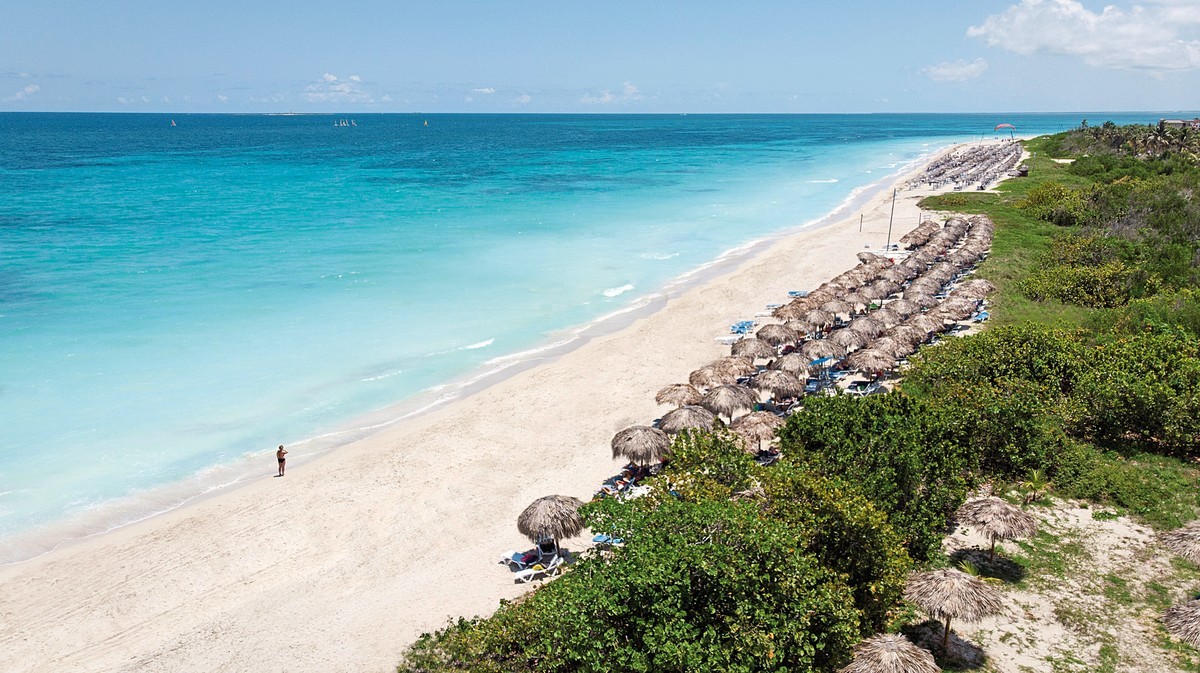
(888, 247)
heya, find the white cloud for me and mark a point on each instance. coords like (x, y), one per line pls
(223, 98)
(386, 98)
(629, 92)
(122, 100)
(25, 93)
(523, 99)
(331, 89)
(1160, 35)
(956, 71)
(487, 90)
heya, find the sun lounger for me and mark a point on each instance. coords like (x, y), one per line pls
(517, 560)
(547, 548)
(539, 570)
(795, 294)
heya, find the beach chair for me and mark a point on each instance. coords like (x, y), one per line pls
(542, 570)
(547, 548)
(516, 560)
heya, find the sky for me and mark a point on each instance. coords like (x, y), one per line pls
(796, 56)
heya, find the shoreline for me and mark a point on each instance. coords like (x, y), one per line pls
(229, 477)
(341, 564)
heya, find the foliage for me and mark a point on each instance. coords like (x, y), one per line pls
(1175, 313)
(1053, 202)
(1141, 391)
(898, 451)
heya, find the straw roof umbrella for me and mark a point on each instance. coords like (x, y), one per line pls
(952, 594)
(641, 444)
(729, 399)
(869, 257)
(997, 519)
(687, 417)
(818, 317)
(923, 300)
(794, 363)
(753, 348)
(710, 376)
(821, 348)
(793, 309)
(778, 382)
(1184, 541)
(801, 327)
(976, 288)
(757, 426)
(678, 394)
(553, 516)
(888, 345)
(848, 339)
(777, 334)
(857, 300)
(903, 307)
(836, 306)
(890, 653)
(957, 308)
(871, 293)
(866, 325)
(1183, 622)
(927, 323)
(870, 360)
(894, 274)
(908, 334)
(887, 317)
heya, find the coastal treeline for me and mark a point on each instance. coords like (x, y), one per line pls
(1088, 381)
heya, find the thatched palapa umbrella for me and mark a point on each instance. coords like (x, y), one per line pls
(710, 376)
(866, 325)
(778, 382)
(818, 317)
(952, 594)
(890, 653)
(848, 339)
(678, 394)
(998, 520)
(776, 335)
(641, 444)
(727, 400)
(976, 288)
(836, 306)
(903, 307)
(1183, 622)
(870, 360)
(753, 348)
(927, 323)
(1184, 541)
(553, 517)
(757, 426)
(687, 417)
(794, 363)
(821, 348)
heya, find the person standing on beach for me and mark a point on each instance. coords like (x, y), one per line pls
(280, 453)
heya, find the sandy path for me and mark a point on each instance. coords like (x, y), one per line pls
(342, 563)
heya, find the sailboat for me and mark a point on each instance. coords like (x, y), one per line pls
(172, 122)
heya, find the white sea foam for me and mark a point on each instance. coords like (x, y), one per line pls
(617, 291)
(827, 181)
(384, 376)
(659, 255)
(481, 344)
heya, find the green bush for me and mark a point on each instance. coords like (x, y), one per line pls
(896, 450)
(1053, 202)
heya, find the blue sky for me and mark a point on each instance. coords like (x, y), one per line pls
(614, 56)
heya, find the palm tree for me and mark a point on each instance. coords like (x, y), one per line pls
(1037, 484)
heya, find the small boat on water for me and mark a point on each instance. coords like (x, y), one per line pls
(172, 122)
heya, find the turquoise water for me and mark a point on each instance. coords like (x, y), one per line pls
(177, 299)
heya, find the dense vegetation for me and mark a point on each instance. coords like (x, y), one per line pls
(1091, 377)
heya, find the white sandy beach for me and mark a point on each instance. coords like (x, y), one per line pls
(341, 564)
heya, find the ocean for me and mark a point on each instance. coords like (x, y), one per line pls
(181, 293)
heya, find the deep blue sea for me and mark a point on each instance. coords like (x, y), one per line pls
(176, 300)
